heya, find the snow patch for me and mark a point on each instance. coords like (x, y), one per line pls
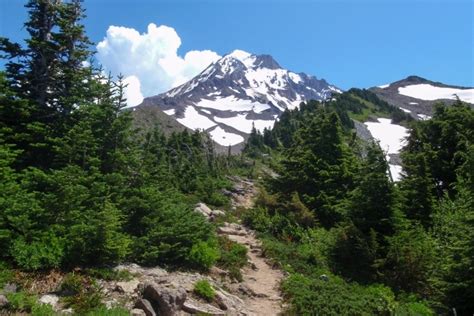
(224, 138)
(242, 124)
(413, 103)
(391, 136)
(193, 120)
(295, 77)
(396, 172)
(170, 112)
(231, 103)
(384, 86)
(405, 110)
(429, 92)
(423, 117)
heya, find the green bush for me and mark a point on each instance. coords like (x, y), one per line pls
(42, 310)
(6, 274)
(21, 302)
(83, 294)
(233, 257)
(44, 252)
(204, 289)
(204, 254)
(257, 218)
(109, 274)
(413, 309)
(336, 297)
(169, 231)
(72, 284)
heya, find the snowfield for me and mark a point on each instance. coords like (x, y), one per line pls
(231, 103)
(391, 138)
(242, 124)
(225, 139)
(429, 92)
(193, 120)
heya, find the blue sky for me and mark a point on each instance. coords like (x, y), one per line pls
(350, 43)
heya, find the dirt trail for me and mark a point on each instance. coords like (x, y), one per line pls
(261, 281)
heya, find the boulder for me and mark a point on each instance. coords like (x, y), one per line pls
(209, 214)
(3, 301)
(127, 287)
(10, 288)
(203, 209)
(194, 307)
(137, 312)
(50, 299)
(145, 306)
(229, 302)
(169, 300)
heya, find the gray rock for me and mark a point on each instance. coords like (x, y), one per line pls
(168, 299)
(137, 312)
(194, 307)
(10, 288)
(324, 277)
(50, 299)
(127, 287)
(145, 306)
(209, 214)
(3, 301)
(68, 311)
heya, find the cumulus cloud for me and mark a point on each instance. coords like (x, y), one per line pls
(133, 92)
(150, 61)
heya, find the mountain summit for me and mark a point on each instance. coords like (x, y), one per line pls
(237, 92)
(417, 95)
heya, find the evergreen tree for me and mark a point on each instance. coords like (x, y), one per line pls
(317, 166)
(372, 202)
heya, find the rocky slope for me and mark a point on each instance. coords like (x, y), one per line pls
(237, 92)
(416, 95)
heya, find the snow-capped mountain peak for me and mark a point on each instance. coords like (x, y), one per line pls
(239, 91)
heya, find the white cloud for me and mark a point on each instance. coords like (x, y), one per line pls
(150, 60)
(132, 92)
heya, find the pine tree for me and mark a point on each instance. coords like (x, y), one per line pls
(372, 202)
(318, 167)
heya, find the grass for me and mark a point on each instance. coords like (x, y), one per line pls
(204, 289)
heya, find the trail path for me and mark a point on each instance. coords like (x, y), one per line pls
(261, 280)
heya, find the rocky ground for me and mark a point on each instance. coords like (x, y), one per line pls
(155, 291)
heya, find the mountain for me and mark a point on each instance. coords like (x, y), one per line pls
(416, 95)
(238, 91)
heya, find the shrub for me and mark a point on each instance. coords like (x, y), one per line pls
(204, 289)
(204, 254)
(21, 302)
(6, 274)
(336, 297)
(44, 252)
(83, 293)
(413, 309)
(109, 274)
(232, 253)
(258, 219)
(42, 310)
